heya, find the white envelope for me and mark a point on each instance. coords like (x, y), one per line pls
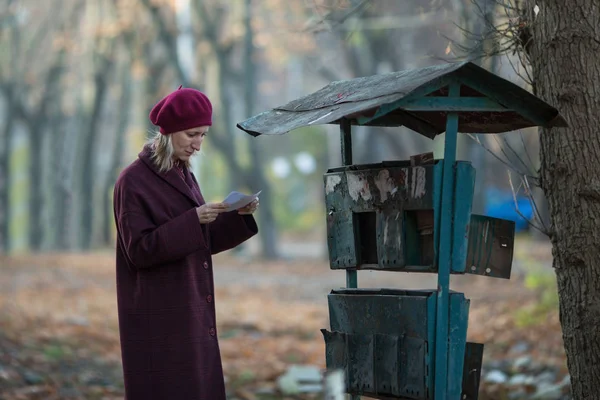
(237, 200)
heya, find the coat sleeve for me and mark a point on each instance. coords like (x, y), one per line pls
(229, 230)
(148, 244)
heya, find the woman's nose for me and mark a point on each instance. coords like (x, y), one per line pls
(196, 144)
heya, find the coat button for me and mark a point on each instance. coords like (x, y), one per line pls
(212, 331)
(209, 299)
(205, 264)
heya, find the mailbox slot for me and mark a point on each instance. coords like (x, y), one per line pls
(418, 231)
(365, 224)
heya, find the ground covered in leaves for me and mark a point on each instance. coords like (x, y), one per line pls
(59, 332)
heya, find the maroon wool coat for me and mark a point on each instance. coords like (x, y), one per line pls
(165, 289)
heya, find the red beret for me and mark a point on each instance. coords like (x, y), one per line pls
(183, 109)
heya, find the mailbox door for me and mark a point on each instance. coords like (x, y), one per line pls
(382, 339)
(491, 244)
(463, 194)
(341, 239)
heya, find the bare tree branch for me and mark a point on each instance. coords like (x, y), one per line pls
(541, 229)
(506, 163)
(506, 144)
(526, 151)
(167, 39)
(330, 21)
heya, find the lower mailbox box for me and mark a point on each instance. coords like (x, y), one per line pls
(384, 341)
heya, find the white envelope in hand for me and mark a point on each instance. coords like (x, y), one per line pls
(237, 200)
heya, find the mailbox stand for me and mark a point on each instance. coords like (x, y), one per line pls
(410, 216)
(346, 146)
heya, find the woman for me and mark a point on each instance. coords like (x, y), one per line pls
(166, 234)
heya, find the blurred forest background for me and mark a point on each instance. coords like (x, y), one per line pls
(78, 78)
(77, 81)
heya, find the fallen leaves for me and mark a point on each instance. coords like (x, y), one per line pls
(59, 333)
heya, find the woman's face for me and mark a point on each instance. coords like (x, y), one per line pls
(186, 143)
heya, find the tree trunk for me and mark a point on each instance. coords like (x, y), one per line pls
(564, 54)
(268, 227)
(36, 122)
(5, 176)
(88, 172)
(61, 191)
(117, 155)
(10, 91)
(36, 192)
(541, 215)
(224, 141)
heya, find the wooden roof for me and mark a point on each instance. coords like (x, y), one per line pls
(416, 99)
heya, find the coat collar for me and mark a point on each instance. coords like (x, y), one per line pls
(171, 176)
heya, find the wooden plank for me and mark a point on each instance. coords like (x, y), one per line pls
(457, 340)
(472, 371)
(503, 91)
(467, 104)
(445, 255)
(346, 147)
(465, 186)
(491, 244)
(390, 238)
(424, 90)
(340, 230)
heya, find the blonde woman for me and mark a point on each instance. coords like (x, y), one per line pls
(166, 235)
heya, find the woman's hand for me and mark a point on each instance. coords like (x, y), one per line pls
(249, 209)
(207, 213)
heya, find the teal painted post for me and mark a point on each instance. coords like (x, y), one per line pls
(445, 254)
(346, 141)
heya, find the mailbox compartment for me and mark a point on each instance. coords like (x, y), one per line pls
(384, 341)
(386, 216)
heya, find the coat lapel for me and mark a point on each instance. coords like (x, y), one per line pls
(171, 176)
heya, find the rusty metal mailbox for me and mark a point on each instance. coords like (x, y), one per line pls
(410, 216)
(386, 217)
(383, 339)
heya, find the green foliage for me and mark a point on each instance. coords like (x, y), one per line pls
(544, 284)
(357, 39)
(56, 352)
(297, 199)
(245, 377)
(213, 175)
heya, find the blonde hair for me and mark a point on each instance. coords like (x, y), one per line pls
(163, 152)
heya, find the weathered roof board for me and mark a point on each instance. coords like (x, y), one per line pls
(362, 98)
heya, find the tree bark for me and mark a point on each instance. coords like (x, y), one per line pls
(35, 126)
(88, 171)
(5, 175)
(224, 140)
(564, 55)
(9, 89)
(62, 195)
(36, 192)
(168, 38)
(117, 154)
(268, 226)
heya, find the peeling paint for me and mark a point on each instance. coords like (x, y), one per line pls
(418, 182)
(385, 184)
(332, 182)
(358, 186)
(385, 231)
